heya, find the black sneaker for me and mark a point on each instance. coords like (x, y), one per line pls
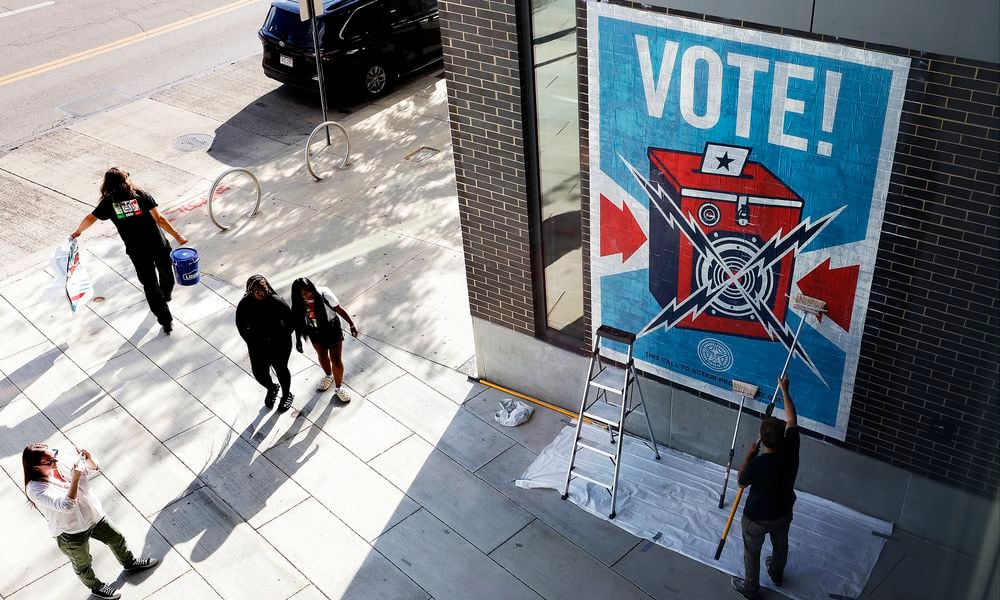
(286, 402)
(272, 394)
(168, 327)
(777, 579)
(141, 564)
(105, 591)
(741, 587)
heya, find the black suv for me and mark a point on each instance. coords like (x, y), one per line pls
(365, 44)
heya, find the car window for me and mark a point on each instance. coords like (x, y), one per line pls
(398, 9)
(429, 5)
(364, 20)
(287, 27)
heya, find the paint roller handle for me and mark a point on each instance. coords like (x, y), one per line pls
(729, 523)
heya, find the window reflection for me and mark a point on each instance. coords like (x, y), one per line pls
(554, 56)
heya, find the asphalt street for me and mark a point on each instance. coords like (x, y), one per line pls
(63, 60)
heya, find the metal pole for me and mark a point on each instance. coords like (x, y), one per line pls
(319, 65)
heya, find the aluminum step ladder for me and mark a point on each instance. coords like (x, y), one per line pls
(607, 401)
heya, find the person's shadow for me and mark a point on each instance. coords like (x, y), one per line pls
(243, 498)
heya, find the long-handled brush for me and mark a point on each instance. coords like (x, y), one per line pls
(745, 391)
(808, 306)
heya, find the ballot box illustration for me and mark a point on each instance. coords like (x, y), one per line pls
(739, 205)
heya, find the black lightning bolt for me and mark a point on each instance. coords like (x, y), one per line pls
(772, 252)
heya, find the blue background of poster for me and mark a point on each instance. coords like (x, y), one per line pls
(844, 179)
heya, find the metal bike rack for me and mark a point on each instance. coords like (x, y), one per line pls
(215, 186)
(320, 127)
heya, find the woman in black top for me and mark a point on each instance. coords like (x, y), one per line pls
(264, 321)
(141, 227)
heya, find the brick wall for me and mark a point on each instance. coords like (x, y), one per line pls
(926, 397)
(484, 100)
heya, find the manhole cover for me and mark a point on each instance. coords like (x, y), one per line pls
(421, 154)
(192, 142)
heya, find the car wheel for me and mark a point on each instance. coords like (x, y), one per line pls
(375, 80)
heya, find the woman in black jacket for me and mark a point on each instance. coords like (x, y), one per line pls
(264, 321)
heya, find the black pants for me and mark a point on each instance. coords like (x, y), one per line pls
(753, 541)
(272, 355)
(155, 273)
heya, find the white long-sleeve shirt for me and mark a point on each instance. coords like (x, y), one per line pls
(63, 514)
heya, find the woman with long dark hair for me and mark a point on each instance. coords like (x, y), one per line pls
(315, 310)
(265, 324)
(74, 513)
(140, 226)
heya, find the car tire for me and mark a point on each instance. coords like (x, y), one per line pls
(375, 80)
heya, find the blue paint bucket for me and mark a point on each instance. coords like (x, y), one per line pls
(185, 266)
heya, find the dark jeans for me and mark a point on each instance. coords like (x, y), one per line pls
(155, 273)
(753, 541)
(77, 547)
(273, 355)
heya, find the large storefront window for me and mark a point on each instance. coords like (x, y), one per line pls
(553, 24)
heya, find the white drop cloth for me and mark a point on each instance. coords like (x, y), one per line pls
(831, 548)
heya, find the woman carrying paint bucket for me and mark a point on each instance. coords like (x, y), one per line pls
(265, 324)
(140, 226)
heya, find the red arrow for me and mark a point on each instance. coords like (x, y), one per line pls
(836, 287)
(620, 232)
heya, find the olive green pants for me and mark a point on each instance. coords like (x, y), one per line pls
(77, 547)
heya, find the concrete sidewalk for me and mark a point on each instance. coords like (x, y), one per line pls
(405, 492)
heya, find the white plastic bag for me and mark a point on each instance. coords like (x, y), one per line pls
(513, 412)
(71, 275)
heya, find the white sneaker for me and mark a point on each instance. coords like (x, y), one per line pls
(324, 384)
(343, 395)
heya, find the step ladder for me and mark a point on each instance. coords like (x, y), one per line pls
(609, 405)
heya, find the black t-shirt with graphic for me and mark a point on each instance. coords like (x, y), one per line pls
(132, 219)
(771, 478)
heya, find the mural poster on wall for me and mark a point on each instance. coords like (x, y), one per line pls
(730, 170)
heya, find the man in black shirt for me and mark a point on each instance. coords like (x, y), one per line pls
(140, 225)
(771, 477)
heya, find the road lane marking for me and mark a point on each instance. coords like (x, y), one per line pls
(128, 41)
(11, 13)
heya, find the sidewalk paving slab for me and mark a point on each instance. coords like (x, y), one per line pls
(361, 427)
(451, 493)
(448, 427)
(233, 558)
(424, 314)
(338, 562)
(150, 395)
(186, 587)
(136, 463)
(242, 477)
(666, 575)
(179, 353)
(440, 561)
(149, 128)
(82, 161)
(351, 490)
(453, 384)
(56, 386)
(556, 569)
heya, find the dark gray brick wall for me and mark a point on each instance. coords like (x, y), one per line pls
(482, 66)
(927, 396)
